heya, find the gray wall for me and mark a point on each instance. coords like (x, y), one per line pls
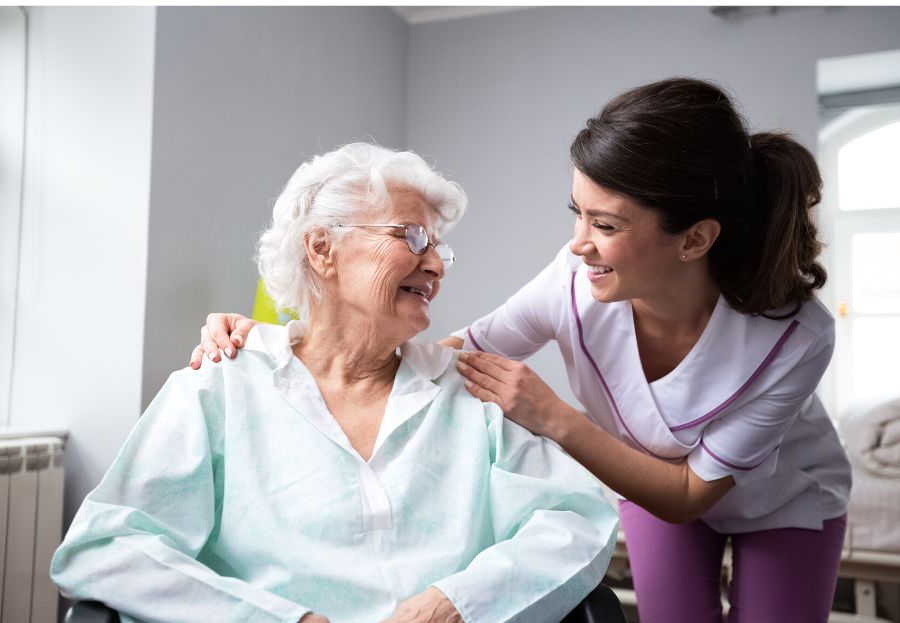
(497, 100)
(242, 97)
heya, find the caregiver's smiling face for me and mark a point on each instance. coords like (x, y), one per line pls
(627, 253)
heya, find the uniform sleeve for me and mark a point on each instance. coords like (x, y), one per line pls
(744, 444)
(554, 533)
(134, 542)
(529, 319)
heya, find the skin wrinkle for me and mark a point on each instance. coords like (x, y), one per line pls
(362, 290)
(350, 346)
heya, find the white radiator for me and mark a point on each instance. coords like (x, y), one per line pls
(31, 509)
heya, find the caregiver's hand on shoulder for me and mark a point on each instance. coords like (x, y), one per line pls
(522, 394)
(429, 606)
(226, 332)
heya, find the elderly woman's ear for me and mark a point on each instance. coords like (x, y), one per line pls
(319, 251)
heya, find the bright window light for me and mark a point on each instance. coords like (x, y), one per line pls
(876, 273)
(873, 357)
(868, 169)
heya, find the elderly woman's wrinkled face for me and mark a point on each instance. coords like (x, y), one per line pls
(378, 275)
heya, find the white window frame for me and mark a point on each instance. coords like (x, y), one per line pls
(13, 88)
(838, 228)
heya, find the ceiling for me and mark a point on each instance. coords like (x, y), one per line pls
(422, 14)
(860, 72)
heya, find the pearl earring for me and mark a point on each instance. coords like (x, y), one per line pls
(683, 257)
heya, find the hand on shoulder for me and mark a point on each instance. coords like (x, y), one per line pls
(222, 332)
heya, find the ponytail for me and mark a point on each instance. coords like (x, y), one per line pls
(787, 186)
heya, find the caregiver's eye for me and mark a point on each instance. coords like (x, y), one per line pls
(597, 224)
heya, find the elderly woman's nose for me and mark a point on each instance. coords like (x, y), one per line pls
(432, 262)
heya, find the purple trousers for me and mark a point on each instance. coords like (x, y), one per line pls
(785, 575)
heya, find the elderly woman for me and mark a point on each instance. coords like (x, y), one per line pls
(339, 471)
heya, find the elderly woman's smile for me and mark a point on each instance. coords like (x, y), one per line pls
(424, 291)
(377, 274)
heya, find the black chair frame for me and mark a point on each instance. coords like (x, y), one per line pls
(601, 606)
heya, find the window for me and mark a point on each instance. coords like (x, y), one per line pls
(867, 169)
(13, 60)
(860, 220)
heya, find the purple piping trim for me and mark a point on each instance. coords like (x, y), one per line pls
(597, 369)
(765, 364)
(473, 340)
(732, 465)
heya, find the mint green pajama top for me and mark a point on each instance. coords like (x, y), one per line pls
(237, 497)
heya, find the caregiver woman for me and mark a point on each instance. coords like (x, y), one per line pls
(684, 309)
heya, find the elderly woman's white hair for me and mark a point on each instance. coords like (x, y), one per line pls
(333, 188)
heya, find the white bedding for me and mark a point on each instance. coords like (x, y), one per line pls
(874, 517)
(873, 447)
(873, 439)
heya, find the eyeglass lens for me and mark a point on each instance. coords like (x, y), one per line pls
(417, 240)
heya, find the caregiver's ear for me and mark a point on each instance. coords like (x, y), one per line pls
(317, 244)
(699, 238)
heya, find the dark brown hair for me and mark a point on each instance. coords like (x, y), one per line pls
(680, 148)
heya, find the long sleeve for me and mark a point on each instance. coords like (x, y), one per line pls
(554, 533)
(529, 318)
(135, 541)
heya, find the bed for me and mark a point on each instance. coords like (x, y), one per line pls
(871, 557)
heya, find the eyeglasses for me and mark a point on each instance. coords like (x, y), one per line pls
(417, 240)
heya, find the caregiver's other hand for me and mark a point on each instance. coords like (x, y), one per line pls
(429, 606)
(226, 332)
(522, 394)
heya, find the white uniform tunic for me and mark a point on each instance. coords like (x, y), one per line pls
(740, 404)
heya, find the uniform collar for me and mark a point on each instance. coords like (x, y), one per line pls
(727, 362)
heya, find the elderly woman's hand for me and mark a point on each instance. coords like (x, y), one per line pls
(227, 332)
(312, 617)
(524, 397)
(429, 606)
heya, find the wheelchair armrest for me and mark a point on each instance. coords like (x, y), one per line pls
(91, 612)
(601, 606)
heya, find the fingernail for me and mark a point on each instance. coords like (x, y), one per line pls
(461, 366)
(212, 356)
(467, 383)
(463, 355)
(228, 352)
(237, 338)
